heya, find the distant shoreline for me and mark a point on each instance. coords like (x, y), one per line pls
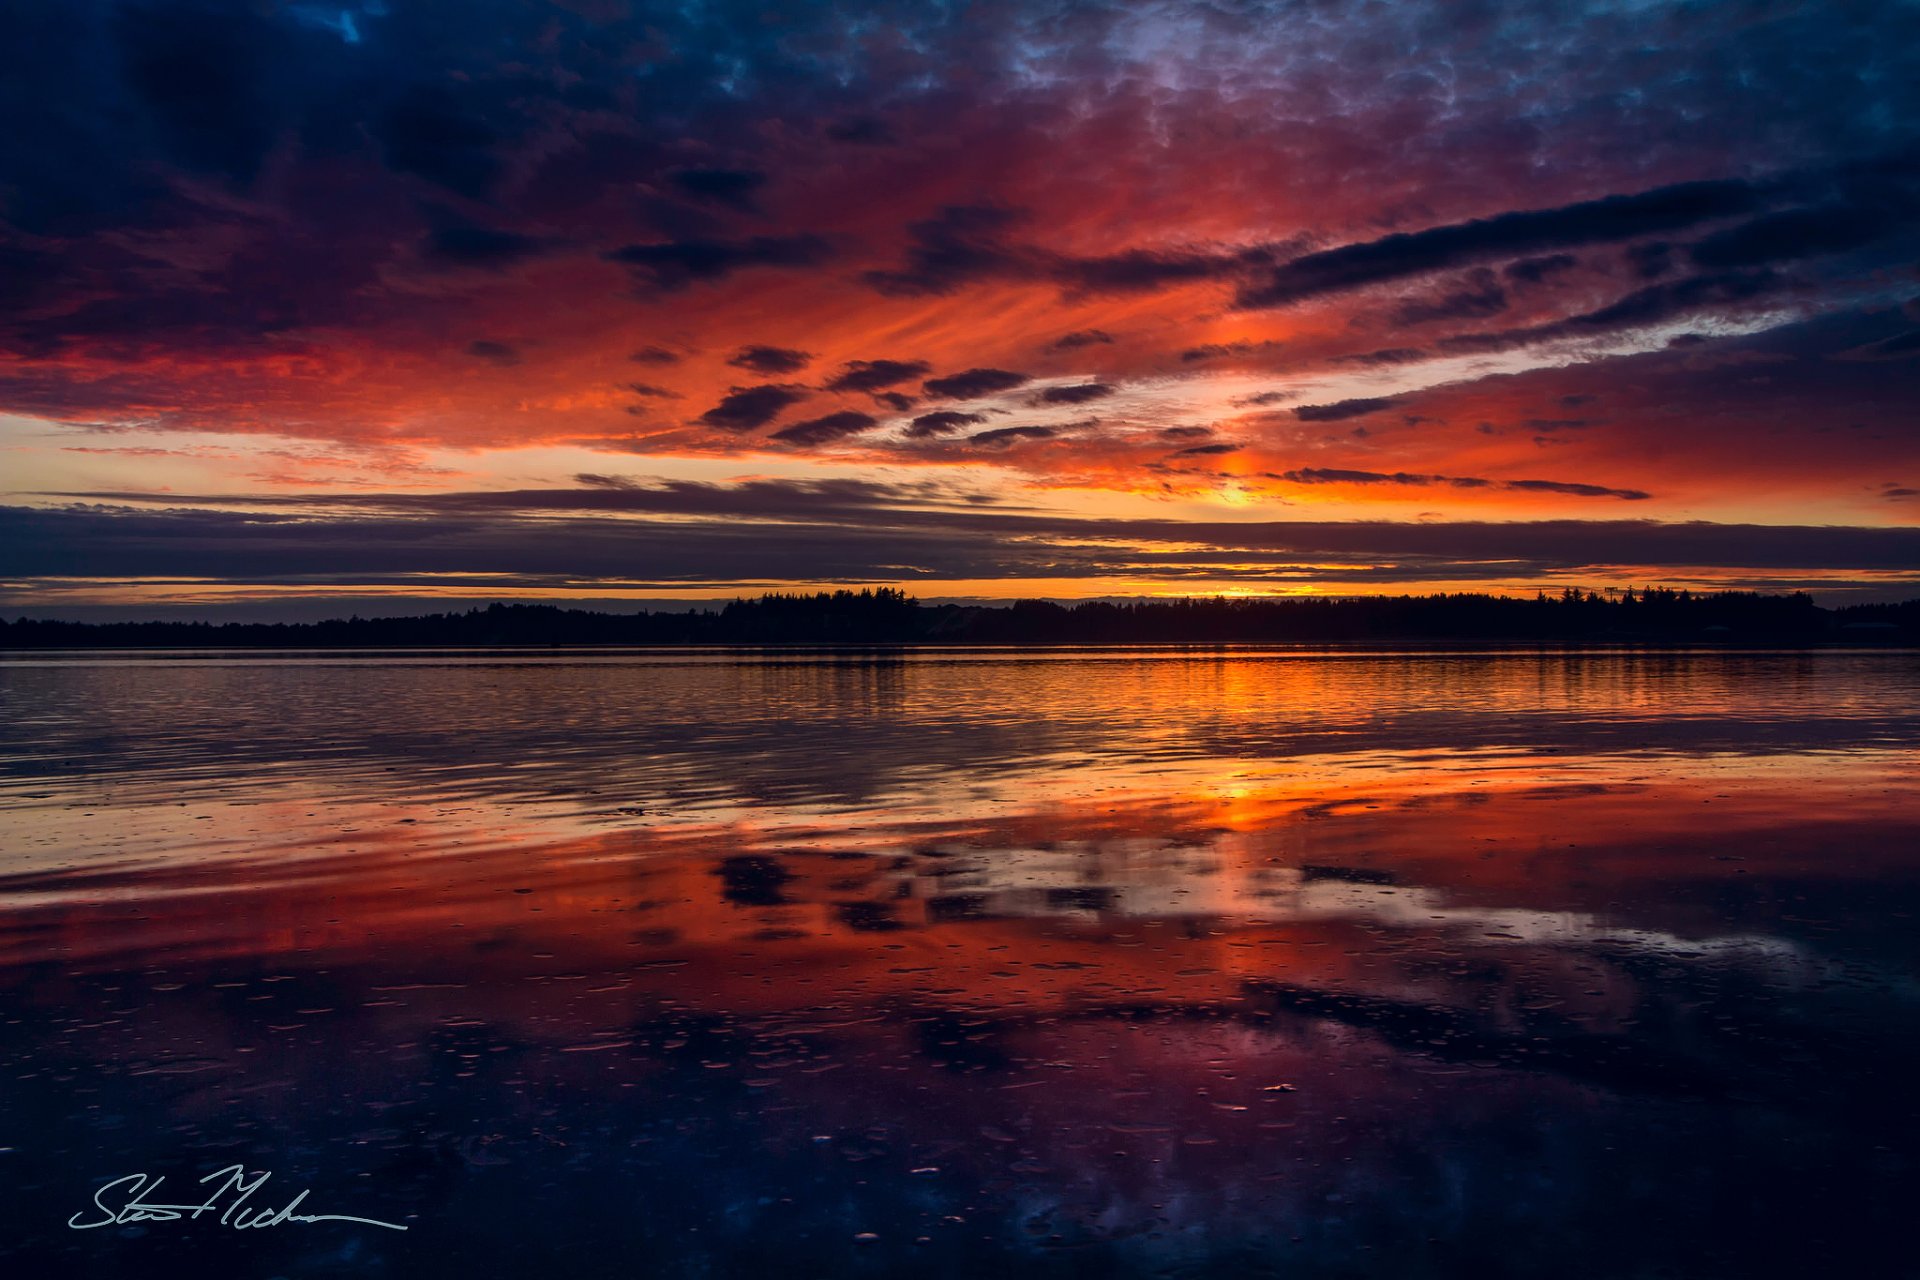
(1656, 618)
(907, 649)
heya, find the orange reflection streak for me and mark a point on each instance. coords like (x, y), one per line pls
(1180, 900)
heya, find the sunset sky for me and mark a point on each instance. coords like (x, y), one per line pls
(311, 308)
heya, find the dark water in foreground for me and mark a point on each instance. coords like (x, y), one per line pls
(1089, 964)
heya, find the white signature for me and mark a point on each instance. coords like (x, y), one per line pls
(234, 1190)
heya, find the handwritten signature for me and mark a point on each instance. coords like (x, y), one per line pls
(234, 1189)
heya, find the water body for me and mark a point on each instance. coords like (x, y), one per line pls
(1181, 962)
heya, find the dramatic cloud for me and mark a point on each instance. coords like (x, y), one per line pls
(1508, 235)
(1009, 435)
(1081, 338)
(959, 247)
(1370, 260)
(942, 422)
(1358, 407)
(1078, 394)
(1474, 298)
(974, 383)
(871, 532)
(429, 132)
(675, 264)
(748, 407)
(1225, 350)
(1535, 270)
(1577, 490)
(1651, 305)
(1335, 475)
(770, 360)
(1873, 203)
(872, 375)
(821, 430)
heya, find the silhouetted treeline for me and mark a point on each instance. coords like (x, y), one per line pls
(891, 617)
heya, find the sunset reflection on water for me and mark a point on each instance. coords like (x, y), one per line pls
(1086, 963)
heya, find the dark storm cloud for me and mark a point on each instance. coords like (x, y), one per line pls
(873, 375)
(822, 430)
(1506, 235)
(770, 360)
(746, 408)
(974, 383)
(942, 422)
(1080, 394)
(1343, 409)
(734, 188)
(675, 264)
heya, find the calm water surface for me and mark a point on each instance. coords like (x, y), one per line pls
(1092, 963)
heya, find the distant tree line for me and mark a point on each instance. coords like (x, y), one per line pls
(887, 616)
